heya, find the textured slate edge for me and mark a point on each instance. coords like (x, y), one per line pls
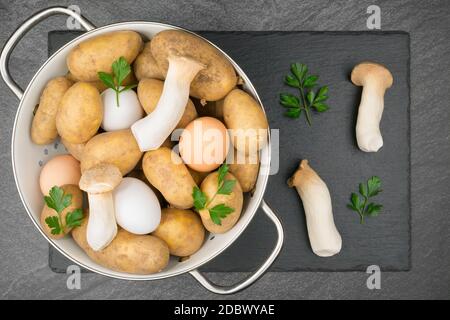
(409, 153)
(52, 251)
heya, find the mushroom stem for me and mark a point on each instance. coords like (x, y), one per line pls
(102, 227)
(151, 131)
(368, 134)
(99, 182)
(324, 237)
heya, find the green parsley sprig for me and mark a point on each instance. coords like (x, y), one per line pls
(362, 205)
(59, 201)
(225, 187)
(121, 69)
(304, 82)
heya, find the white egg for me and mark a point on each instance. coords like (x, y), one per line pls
(123, 116)
(137, 208)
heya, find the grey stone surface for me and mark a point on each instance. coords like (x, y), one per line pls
(24, 271)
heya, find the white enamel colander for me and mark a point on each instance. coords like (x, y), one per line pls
(28, 157)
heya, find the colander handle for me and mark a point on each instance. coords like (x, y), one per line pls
(21, 31)
(250, 280)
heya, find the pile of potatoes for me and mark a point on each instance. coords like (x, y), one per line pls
(71, 107)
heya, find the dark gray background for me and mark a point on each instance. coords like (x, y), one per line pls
(24, 271)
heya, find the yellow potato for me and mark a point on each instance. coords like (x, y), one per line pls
(145, 65)
(233, 200)
(246, 120)
(77, 203)
(98, 53)
(149, 92)
(131, 253)
(118, 148)
(211, 83)
(43, 127)
(182, 230)
(80, 113)
(75, 149)
(245, 169)
(166, 171)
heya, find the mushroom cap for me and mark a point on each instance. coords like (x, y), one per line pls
(101, 178)
(303, 172)
(371, 71)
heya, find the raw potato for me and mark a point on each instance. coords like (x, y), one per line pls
(145, 65)
(116, 147)
(245, 117)
(80, 113)
(166, 171)
(75, 149)
(98, 53)
(212, 83)
(182, 230)
(149, 92)
(77, 203)
(234, 200)
(43, 127)
(131, 253)
(245, 169)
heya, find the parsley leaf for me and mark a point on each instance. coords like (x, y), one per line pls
(199, 198)
(59, 201)
(128, 87)
(308, 98)
(222, 172)
(53, 224)
(121, 69)
(293, 113)
(227, 187)
(107, 79)
(310, 82)
(367, 190)
(373, 209)
(289, 100)
(320, 107)
(299, 70)
(292, 82)
(218, 212)
(224, 187)
(374, 186)
(74, 218)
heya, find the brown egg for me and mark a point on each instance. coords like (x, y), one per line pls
(58, 171)
(204, 144)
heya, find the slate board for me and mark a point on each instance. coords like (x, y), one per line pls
(329, 146)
